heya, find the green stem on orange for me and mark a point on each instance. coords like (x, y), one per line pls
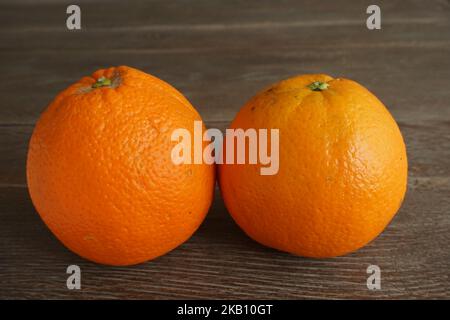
(318, 86)
(102, 82)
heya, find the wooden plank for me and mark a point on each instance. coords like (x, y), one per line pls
(429, 160)
(220, 261)
(218, 84)
(226, 37)
(19, 15)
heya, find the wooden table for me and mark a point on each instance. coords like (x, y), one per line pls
(220, 53)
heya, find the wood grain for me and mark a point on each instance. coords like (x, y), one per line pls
(232, 77)
(220, 53)
(219, 261)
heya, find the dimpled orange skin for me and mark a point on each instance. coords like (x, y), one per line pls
(100, 173)
(342, 171)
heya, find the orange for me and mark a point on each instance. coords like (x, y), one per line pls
(342, 168)
(100, 174)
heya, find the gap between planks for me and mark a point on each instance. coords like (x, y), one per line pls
(342, 46)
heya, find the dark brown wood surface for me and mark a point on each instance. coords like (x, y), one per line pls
(220, 53)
